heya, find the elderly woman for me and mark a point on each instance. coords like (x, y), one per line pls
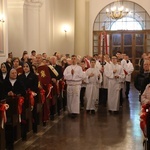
(13, 88)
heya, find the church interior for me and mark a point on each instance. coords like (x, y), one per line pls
(81, 28)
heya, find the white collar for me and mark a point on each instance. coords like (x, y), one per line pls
(12, 81)
(26, 74)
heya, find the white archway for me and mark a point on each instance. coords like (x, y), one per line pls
(138, 16)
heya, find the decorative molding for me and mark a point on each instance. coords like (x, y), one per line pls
(15, 4)
(37, 3)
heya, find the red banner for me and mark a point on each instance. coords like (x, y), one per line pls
(44, 75)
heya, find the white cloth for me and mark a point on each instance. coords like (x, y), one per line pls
(26, 74)
(129, 69)
(98, 65)
(76, 78)
(4, 75)
(114, 86)
(123, 63)
(12, 81)
(73, 98)
(73, 87)
(92, 88)
(145, 97)
(105, 78)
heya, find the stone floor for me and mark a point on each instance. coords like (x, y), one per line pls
(102, 131)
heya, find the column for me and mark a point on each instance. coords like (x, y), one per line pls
(80, 27)
(32, 25)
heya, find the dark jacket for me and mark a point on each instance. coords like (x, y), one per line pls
(17, 89)
(59, 70)
(29, 82)
(141, 80)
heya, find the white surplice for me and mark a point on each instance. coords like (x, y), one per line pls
(73, 87)
(105, 78)
(114, 86)
(92, 87)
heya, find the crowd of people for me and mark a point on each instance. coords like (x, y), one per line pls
(63, 81)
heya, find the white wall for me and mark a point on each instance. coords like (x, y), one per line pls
(15, 27)
(80, 27)
(62, 13)
(39, 27)
(4, 26)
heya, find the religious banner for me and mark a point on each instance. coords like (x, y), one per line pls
(44, 75)
(104, 42)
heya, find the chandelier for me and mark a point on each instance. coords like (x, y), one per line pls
(117, 11)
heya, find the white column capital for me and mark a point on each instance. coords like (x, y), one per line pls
(36, 3)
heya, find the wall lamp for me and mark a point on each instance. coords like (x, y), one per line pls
(2, 18)
(66, 28)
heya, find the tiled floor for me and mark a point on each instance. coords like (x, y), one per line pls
(102, 131)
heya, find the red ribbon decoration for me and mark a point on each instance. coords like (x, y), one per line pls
(20, 103)
(31, 97)
(143, 118)
(3, 108)
(125, 72)
(42, 94)
(49, 93)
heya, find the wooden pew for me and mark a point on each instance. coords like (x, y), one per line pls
(39, 110)
(2, 130)
(12, 126)
(28, 113)
(2, 139)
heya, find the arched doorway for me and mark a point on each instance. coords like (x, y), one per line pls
(130, 35)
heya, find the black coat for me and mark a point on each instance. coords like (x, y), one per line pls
(29, 82)
(2, 96)
(59, 70)
(17, 89)
(141, 80)
(1, 76)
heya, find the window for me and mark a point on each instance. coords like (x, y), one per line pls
(137, 19)
(126, 24)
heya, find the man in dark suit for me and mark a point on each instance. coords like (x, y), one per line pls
(143, 78)
(56, 75)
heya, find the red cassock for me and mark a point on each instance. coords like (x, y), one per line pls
(46, 85)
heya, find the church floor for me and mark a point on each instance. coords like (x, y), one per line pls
(102, 131)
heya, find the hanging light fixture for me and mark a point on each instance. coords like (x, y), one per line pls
(118, 11)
